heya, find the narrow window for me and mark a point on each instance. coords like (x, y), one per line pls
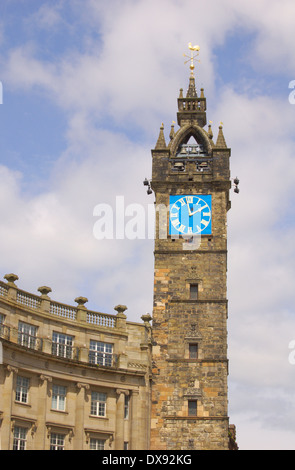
(22, 389)
(193, 351)
(98, 404)
(193, 291)
(192, 407)
(19, 438)
(1, 324)
(58, 401)
(126, 407)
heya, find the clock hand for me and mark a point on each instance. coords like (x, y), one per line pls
(198, 210)
(189, 211)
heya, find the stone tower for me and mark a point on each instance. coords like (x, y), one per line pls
(191, 178)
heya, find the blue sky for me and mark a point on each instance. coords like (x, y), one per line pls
(86, 86)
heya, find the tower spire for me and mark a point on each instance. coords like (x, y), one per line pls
(220, 142)
(161, 143)
(192, 108)
(191, 92)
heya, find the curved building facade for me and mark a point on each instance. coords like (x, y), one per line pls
(71, 378)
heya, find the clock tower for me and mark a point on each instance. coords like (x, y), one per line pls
(191, 182)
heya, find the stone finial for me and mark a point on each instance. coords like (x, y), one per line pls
(121, 317)
(11, 278)
(161, 143)
(121, 309)
(210, 132)
(220, 142)
(81, 309)
(172, 132)
(81, 301)
(146, 319)
(45, 299)
(44, 290)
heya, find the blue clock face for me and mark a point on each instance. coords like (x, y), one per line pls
(190, 215)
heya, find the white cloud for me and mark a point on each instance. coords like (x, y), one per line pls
(47, 17)
(272, 22)
(53, 231)
(23, 71)
(127, 73)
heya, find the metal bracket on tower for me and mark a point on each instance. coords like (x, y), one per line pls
(236, 183)
(147, 183)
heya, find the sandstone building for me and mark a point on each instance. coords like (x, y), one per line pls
(190, 366)
(73, 379)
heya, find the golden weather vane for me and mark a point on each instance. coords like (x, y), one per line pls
(193, 57)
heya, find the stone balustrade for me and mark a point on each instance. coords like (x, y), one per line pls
(43, 304)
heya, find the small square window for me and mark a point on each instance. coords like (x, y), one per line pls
(193, 351)
(101, 353)
(97, 444)
(57, 441)
(62, 345)
(192, 407)
(194, 291)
